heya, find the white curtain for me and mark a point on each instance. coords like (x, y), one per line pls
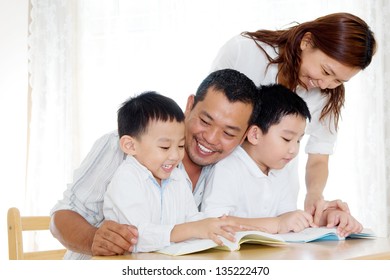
(88, 56)
(51, 110)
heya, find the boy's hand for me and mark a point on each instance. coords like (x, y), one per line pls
(346, 224)
(238, 227)
(294, 221)
(211, 228)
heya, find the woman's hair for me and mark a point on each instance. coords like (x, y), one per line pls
(342, 36)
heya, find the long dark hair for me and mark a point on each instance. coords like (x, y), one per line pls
(342, 36)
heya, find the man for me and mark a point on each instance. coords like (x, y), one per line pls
(217, 119)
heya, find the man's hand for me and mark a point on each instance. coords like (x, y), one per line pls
(114, 239)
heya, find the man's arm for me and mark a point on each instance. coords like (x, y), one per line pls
(76, 234)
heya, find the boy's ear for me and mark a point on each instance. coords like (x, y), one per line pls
(254, 134)
(127, 144)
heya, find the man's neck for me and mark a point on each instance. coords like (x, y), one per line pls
(193, 170)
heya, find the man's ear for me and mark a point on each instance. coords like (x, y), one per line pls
(306, 41)
(128, 145)
(254, 134)
(190, 104)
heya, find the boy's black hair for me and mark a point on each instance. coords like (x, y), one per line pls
(135, 113)
(278, 101)
(234, 85)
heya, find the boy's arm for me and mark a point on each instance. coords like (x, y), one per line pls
(269, 225)
(290, 221)
(209, 228)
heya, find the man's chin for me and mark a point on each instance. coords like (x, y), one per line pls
(203, 160)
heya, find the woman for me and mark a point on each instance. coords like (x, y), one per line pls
(314, 59)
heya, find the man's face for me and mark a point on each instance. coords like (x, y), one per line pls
(214, 127)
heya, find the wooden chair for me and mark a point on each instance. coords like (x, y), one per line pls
(16, 225)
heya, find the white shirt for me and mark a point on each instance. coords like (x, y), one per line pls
(134, 197)
(86, 193)
(242, 54)
(236, 186)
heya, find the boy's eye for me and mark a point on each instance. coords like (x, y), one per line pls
(286, 139)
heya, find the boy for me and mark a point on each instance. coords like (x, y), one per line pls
(254, 182)
(148, 190)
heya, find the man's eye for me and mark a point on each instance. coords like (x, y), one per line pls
(203, 121)
(229, 134)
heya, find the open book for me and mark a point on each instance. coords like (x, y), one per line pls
(196, 245)
(261, 238)
(322, 234)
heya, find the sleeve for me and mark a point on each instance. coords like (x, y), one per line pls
(85, 194)
(322, 136)
(290, 189)
(221, 192)
(127, 202)
(191, 209)
(322, 133)
(226, 56)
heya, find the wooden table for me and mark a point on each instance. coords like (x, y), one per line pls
(324, 250)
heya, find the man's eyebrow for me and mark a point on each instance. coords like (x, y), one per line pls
(232, 127)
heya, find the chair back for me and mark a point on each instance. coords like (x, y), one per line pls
(17, 225)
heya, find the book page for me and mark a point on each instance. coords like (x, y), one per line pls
(322, 233)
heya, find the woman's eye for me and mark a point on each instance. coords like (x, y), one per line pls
(164, 148)
(325, 72)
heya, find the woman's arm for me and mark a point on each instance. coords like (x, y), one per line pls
(316, 177)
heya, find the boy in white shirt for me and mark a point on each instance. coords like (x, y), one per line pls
(149, 190)
(255, 182)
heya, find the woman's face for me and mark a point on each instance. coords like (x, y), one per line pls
(321, 71)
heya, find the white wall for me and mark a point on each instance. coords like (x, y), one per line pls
(13, 113)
